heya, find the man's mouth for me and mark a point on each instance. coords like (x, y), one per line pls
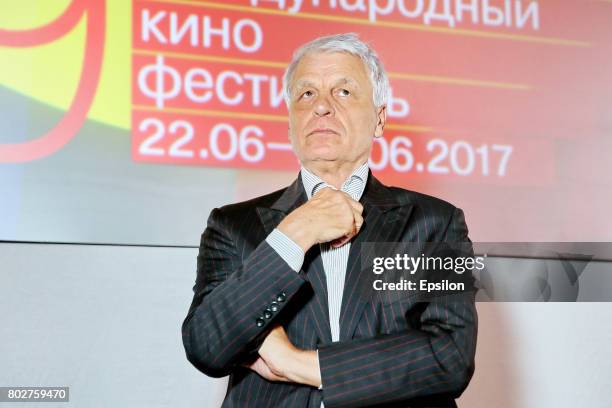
(323, 131)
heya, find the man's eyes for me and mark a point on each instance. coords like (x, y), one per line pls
(341, 92)
(305, 94)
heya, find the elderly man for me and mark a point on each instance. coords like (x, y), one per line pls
(279, 302)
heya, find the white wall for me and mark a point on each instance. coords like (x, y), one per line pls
(104, 320)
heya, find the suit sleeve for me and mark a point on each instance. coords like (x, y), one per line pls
(434, 361)
(234, 300)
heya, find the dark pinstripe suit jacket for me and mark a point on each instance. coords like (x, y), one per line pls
(404, 353)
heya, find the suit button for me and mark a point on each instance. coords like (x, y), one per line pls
(267, 314)
(274, 306)
(260, 322)
(281, 297)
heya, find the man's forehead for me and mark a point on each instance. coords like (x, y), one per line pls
(337, 67)
(340, 80)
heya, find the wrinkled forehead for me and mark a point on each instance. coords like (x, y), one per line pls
(336, 67)
(341, 80)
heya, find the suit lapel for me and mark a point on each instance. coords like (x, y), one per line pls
(292, 197)
(312, 269)
(384, 221)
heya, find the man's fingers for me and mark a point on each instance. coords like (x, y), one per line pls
(337, 243)
(358, 222)
(353, 203)
(356, 205)
(262, 368)
(356, 227)
(324, 190)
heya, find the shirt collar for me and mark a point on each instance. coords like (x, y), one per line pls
(353, 185)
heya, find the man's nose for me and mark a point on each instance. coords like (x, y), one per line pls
(323, 107)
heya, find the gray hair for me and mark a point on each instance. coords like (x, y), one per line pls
(351, 44)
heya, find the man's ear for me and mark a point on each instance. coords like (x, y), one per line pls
(381, 114)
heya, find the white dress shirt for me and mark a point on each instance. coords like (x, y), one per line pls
(334, 259)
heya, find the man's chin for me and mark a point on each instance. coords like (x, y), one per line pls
(323, 157)
(324, 151)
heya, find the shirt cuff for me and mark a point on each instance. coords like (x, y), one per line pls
(287, 249)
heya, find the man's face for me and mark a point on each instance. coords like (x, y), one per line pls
(332, 116)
